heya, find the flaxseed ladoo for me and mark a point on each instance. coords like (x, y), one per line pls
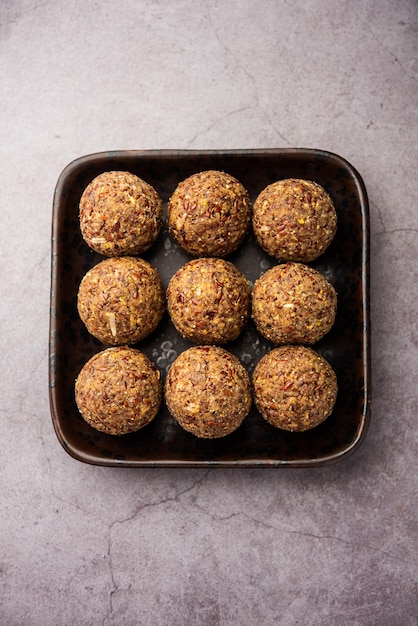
(295, 388)
(121, 300)
(209, 214)
(118, 391)
(293, 303)
(120, 214)
(208, 301)
(208, 391)
(294, 220)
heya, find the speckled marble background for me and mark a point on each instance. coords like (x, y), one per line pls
(89, 545)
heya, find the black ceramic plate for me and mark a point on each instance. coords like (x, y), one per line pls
(255, 444)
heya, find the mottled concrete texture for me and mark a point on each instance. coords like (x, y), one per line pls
(83, 545)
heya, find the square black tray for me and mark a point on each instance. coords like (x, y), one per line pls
(347, 346)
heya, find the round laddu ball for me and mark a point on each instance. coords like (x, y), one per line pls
(118, 391)
(121, 300)
(120, 214)
(295, 388)
(208, 391)
(209, 214)
(293, 303)
(294, 220)
(209, 301)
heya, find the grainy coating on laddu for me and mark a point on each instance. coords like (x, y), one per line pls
(295, 388)
(293, 303)
(118, 391)
(121, 300)
(294, 220)
(209, 301)
(120, 214)
(208, 391)
(209, 214)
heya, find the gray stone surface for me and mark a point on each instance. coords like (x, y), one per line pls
(88, 545)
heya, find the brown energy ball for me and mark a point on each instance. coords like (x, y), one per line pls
(209, 214)
(293, 303)
(295, 388)
(208, 391)
(121, 300)
(294, 220)
(118, 391)
(120, 214)
(209, 301)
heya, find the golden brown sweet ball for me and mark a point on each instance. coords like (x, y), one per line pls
(293, 303)
(121, 300)
(120, 214)
(294, 220)
(295, 388)
(209, 214)
(118, 391)
(208, 391)
(209, 301)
